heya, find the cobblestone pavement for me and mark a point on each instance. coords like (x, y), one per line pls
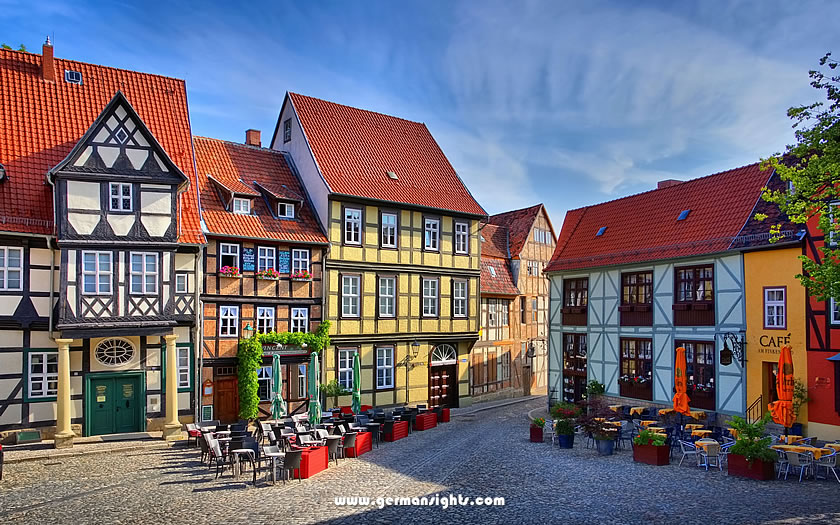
(487, 454)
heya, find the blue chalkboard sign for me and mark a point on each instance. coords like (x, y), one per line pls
(247, 259)
(284, 264)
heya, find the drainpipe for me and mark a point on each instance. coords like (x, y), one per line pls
(198, 331)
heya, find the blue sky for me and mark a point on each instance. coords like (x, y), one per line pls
(566, 103)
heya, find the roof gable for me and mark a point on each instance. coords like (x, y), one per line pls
(644, 227)
(355, 149)
(519, 224)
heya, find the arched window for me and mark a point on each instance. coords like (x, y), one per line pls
(444, 355)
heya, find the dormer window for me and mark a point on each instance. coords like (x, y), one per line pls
(120, 196)
(242, 206)
(285, 210)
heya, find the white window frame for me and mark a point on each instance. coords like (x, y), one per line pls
(122, 199)
(265, 319)
(302, 380)
(241, 206)
(184, 368)
(389, 230)
(266, 258)
(431, 308)
(181, 283)
(353, 220)
(97, 273)
(228, 250)
(459, 298)
(287, 130)
(384, 367)
(462, 237)
(285, 210)
(431, 234)
(299, 320)
(345, 367)
(5, 268)
(492, 319)
(776, 305)
(43, 375)
(143, 273)
(300, 260)
(504, 312)
(350, 308)
(835, 312)
(264, 376)
(387, 299)
(228, 321)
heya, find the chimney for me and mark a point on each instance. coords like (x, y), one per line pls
(48, 62)
(667, 183)
(252, 137)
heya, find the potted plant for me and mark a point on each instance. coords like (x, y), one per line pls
(595, 422)
(334, 389)
(751, 455)
(800, 397)
(565, 415)
(230, 271)
(649, 447)
(537, 425)
(595, 389)
(269, 274)
(301, 275)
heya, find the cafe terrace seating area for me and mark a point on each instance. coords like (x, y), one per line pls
(292, 448)
(699, 442)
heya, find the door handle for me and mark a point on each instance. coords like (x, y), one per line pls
(101, 405)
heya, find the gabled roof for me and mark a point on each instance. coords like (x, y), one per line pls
(644, 227)
(756, 233)
(494, 241)
(355, 149)
(42, 121)
(519, 224)
(496, 278)
(228, 161)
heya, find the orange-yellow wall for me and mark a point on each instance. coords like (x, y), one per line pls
(774, 268)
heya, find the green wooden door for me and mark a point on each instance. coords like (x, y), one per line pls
(101, 397)
(115, 403)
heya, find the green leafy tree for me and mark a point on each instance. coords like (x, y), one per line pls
(7, 46)
(812, 166)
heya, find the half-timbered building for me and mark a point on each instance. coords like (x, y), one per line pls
(263, 268)
(100, 249)
(402, 275)
(635, 278)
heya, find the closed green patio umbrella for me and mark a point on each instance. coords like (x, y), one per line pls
(314, 387)
(278, 405)
(357, 385)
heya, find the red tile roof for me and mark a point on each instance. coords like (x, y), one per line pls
(519, 224)
(494, 241)
(41, 121)
(644, 227)
(499, 280)
(240, 165)
(355, 148)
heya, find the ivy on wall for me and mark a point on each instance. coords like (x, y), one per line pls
(249, 358)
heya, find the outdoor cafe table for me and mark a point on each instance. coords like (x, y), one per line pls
(616, 408)
(647, 422)
(698, 414)
(364, 443)
(636, 411)
(705, 442)
(835, 446)
(693, 426)
(700, 432)
(733, 432)
(790, 438)
(816, 451)
(658, 430)
(666, 411)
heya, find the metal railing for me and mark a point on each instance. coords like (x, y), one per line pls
(755, 410)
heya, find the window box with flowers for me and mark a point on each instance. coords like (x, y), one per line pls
(269, 274)
(230, 271)
(302, 275)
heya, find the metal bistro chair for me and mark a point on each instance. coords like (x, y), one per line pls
(709, 456)
(272, 455)
(829, 462)
(781, 462)
(803, 462)
(688, 450)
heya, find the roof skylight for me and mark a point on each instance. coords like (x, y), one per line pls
(683, 215)
(601, 231)
(492, 271)
(391, 175)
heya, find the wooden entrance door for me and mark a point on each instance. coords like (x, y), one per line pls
(443, 386)
(115, 405)
(226, 399)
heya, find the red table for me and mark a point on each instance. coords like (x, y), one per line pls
(312, 461)
(364, 442)
(425, 421)
(400, 431)
(444, 416)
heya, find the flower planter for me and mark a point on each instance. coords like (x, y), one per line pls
(760, 470)
(566, 440)
(536, 434)
(301, 279)
(261, 278)
(231, 276)
(606, 447)
(652, 454)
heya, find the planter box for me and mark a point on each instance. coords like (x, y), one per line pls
(536, 434)
(301, 279)
(566, 440)
(605, 447)
(652, 454)
(760, 470)
(239, 276)
(268, 278)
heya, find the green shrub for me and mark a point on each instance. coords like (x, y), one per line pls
(564, 427)
(649, 437)
(595, 388)
(751, 442)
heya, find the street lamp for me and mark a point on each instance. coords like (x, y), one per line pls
(413, 352)
(247, 332)
(732, 345)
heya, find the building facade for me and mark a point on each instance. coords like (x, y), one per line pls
(635, 278)
(263, 269)
(402, 274)
(100, 251)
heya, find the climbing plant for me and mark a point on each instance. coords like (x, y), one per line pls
(249, 357)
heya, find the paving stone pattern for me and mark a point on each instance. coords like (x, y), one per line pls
(484, 454)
